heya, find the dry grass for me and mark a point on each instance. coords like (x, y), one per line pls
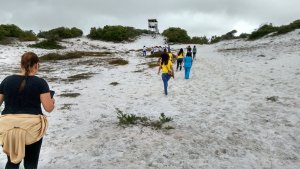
(118, 62)
(70, 95)
(81, 76)
(152, 64)
(114, 83)
(73, 55)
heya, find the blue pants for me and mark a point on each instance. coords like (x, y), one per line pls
(187, 72)
(165, 77)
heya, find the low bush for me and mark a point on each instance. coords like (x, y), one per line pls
(262, 31)
(61, 33)
(288, 28)
(70, 95)
(47, 44)
(199, 40)
(115, 33)
(176, 35)
(28, 36)
(215, 39)
(81, 76)
(114, 83)
(118, 62)
(132, 119)
(11, 30)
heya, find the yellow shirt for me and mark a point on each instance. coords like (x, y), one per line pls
(170, 56)
(166, 68)
(180, 56)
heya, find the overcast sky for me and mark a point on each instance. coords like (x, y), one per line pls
(197, 17)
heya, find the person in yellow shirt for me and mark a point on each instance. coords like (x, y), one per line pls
(167, 71)
(170, 56)
(179, 59)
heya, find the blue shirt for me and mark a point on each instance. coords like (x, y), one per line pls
(24, 102)
(188, 61)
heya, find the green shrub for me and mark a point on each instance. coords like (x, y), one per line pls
(288, 28)
(132, 119)
(3, 33)
(11, 30)
(176, 35)
(244, 35)
(28, 36)
(199, 40)
(229, 35)
(61, 33)
(47, 44)
(215, 39)
(262, 31)
(115, 33)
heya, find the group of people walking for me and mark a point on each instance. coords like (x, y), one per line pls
(183, 60)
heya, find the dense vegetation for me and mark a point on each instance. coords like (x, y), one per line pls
(115, 33)
(54, 35)
(176, 35)
(125, 33)
(269, 28)
(60, 33)
(13, 31)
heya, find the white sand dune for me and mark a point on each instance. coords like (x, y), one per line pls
(221, 115)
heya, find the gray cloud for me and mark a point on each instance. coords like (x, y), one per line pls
(198, 17)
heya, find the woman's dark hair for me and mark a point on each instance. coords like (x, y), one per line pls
(164, 59)
(180, 52)
(28, 59)
(189, 53)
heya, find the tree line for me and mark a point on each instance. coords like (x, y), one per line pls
(124, 33)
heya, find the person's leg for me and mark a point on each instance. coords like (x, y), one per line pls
(165, 78)
(32, 153)
(188, 72)
(10, 165)
(180, 63)
(185, 72)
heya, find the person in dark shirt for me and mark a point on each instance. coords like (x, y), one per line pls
(24, 93)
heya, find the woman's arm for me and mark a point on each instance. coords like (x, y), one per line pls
(159, 68)
(1, 99)
(47, 102)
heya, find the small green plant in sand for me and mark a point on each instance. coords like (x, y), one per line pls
(114, 83)
(272, 98)
(70, 95)
(81, 76)
(118, 62)
(132, 119)
(66, 107)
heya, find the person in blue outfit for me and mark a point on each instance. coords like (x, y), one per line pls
(188, 61)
